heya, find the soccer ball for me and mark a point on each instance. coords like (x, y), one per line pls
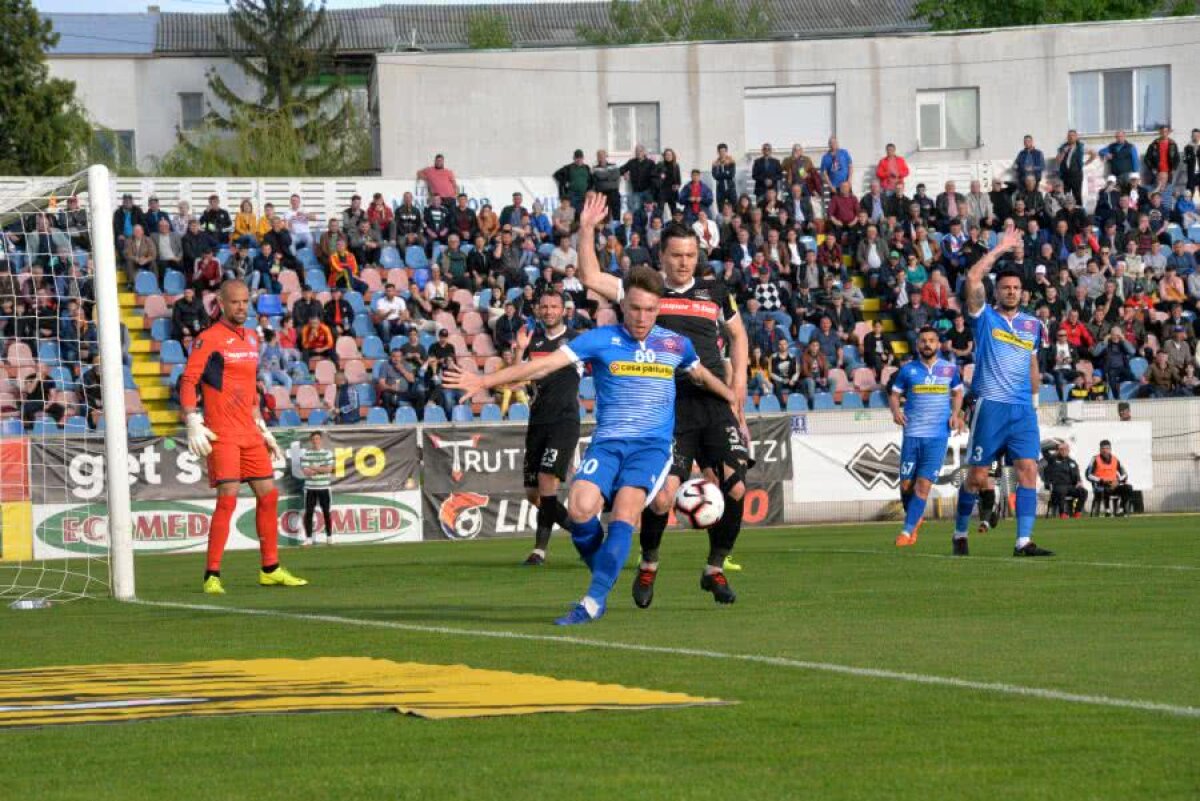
(699, 502)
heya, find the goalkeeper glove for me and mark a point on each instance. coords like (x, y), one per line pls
(269, 438)
(200, 438)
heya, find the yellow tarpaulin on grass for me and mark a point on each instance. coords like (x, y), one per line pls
(54, 696)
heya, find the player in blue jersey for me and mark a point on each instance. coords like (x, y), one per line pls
(634, 366)
(933, 394)
(1006, 383)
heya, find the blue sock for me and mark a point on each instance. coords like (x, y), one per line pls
(1026, 512)
(962, 516)
(587, 537)
(916, 510)
(609, 560)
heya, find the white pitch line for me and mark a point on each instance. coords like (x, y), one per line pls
(1007, 559)
(776, 661)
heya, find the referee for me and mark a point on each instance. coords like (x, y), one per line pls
(317, 465)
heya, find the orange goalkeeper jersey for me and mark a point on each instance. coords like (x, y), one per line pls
(223, 367)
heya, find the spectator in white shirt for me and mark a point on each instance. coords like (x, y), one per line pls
(564, 255)
(386, 312)
(708, 231)
(299, 224)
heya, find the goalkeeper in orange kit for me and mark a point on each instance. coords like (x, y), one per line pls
(223, 368)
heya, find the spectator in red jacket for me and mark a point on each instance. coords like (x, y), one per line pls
(843, 207)
(891, 169)
(1077, 334)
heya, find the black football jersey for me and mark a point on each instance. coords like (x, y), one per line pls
(699, 312)
(556, 396)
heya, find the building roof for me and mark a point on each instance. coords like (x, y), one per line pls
(104, 34)
(553, 24)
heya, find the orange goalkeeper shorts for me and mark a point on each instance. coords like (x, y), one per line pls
(236, 461)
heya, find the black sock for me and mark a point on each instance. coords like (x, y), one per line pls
(561, 516)
(653, 526)
(270, 568)
(724, 533)
(545, 521)
(905, 498)
(987, 501)
(210, 573)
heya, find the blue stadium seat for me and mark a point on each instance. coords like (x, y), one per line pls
(750, 407)
(1138, 366)
(462, 414)
(406, 415)
(1047, 394)
(768, 404)
(366, 394)
(490, 413)
(362, 326)
(61, 377)
(315, 278)
(1128, 389)
(372, 346)
(176, 371)
(172, 353)
(1174, 233)
(878, 400)
(587, 388)
(139, 426)
(518, 411)
(127, 375)
(485, 299)
(289, 418)
(434, 414)
(300, 374)
(355, 299)
(851, 400)
(823, 400)
(851, 357)
(513, 293)
(174, 283)
(546, 250)
(223, 254)
(377, 415)
(804, 333)
(797, 403)
(389, 258)
(583, 414)
(76, 424)
(11, 427)
(318, 417)
(146, 283)
(415, 258)
(47, 352)
(1194, 233)
(160, 329)
(420, 277)
(428, 341)
(45, 426)
(82, 257)
(270, 305)
(467, 247)
(397, 342)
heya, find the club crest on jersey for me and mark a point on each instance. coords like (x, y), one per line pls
(672, 344)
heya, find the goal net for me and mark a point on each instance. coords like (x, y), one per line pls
(64, 530)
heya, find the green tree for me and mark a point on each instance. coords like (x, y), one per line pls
(952, 15)
(287, 48)
(488, 30)
(43, 129)
(643, 21)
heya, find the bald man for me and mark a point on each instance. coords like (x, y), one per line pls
(230, 432)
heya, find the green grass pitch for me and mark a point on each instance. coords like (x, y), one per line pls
(1115, 616)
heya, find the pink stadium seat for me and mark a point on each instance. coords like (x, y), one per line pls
(459, 344)
(347, 348)
(19, 355)
(290, 283)
(1152, 343)
(155, 307)
(370, 277)
(864, 379)
(472, 323)
(324, 297)
(329, 395)
(355, 372)
(887, 373)
(445, 320)
(838, 380)
(861, 329)
(463, 298)
(307, 397)
(968, 371)
(282, 399)
(482, 345)
(469, 365)
(133, 402)
(324, 372)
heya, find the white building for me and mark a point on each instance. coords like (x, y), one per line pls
(941, 98)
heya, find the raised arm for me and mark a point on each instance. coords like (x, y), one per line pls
(975, 292)
(594, 213)
(470, 383)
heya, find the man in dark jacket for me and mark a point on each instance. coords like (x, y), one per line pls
(512, 213)
(1071, 155)
(1029, 161)
(1061, 476)
(188, 317)
(1162, 157)
(124, 218)
(216, 221)
(1122, 158)
(724, 172)
(1191, 160)
(640, 172)
(606, 179)
(306, 308)
(408, 221)
(766, 172)
(574, 179)
(339, 314)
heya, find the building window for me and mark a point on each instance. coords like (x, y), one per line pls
(191, 110)
(1104, 101)
(788, 115)
(948, 119)
(632, 124)
(115, 148)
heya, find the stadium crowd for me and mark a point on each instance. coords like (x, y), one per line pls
(359, 313)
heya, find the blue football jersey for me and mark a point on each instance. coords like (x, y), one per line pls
(635, 381)
(927, 395)
(1003, 356)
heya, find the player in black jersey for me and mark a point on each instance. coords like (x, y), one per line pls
(708, 431)
(553, 429)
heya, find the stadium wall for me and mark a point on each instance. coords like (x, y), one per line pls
(465, 104)
(461, 482)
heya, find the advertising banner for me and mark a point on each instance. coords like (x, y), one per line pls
(473, 478)
(865, 466)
